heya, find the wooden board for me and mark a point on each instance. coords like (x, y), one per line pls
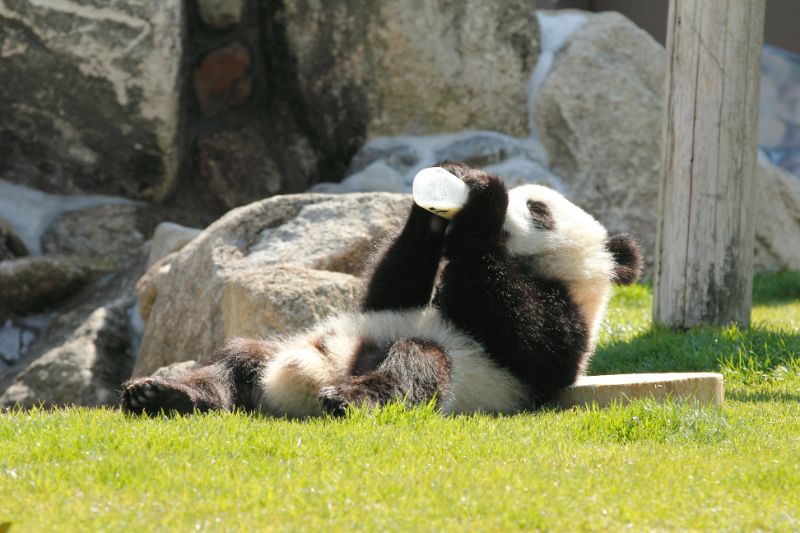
(704, 387)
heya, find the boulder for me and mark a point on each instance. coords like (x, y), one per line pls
(30, 213)
(274, 266)
(237, 167)
(283, 298)
(778, 225)
(117, 234)
(521, 171)
(87, 368)
(81, 351)
(600, 114)
(37, 283)
(114, 233)
(147, 286)
(390, 163)
(358, 69)
(220, 14)
(11, 245)
(94, 102)
(480, 149)
(376, 177)
(176, 370)
(394, 153)
(167, 238)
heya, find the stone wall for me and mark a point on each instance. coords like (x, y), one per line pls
(89, 97)
(284, 93)
(218, 103)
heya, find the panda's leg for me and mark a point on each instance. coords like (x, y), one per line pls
(412, 370)
(403, 276)
(226, 382)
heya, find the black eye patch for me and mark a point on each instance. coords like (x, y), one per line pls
(541, 215)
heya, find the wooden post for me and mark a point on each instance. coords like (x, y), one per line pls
(706, 236)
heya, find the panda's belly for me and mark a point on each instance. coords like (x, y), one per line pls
(324, 356)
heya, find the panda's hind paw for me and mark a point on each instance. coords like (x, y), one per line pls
(152, 396)
(333, 403)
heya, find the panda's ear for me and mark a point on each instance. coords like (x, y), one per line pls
(628, 261)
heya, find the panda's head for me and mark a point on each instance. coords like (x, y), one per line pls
(561, 241)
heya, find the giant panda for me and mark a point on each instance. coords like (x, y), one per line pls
(494, 311)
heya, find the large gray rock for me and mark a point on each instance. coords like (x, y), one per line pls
(361, 68)
(169, 237)
(270, 267)
(390, 163)
(79, 354)
(778, 222)
(86, 369)
(114, 233)
(90, 93)
(11, 245)
(600, 114)
(36, 283)
(221, 14)
(235, 167)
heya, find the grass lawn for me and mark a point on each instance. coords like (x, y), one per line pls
(645, 466)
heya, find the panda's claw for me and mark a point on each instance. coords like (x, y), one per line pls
(152, 396)
(332, 402)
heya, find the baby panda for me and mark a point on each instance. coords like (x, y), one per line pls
(495, 311)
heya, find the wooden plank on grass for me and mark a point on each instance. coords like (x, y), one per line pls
(704, 387)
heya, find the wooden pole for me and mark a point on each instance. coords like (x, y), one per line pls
(705, 241)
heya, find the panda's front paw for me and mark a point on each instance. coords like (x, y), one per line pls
(488, 196)
(480, 221)
(484, 185)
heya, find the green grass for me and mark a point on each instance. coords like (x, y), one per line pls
(645, 465)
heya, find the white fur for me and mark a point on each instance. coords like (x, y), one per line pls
(574, 252)
(291, 381)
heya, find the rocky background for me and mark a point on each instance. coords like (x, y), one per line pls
(130, 125)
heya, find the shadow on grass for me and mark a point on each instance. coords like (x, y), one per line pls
(759, 364)
(776, 288)
(762, 396)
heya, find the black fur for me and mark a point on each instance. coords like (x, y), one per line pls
(627, 256)
(403, 277)
(541, 215)
(226, 382)
(413, 370)
(529, 326)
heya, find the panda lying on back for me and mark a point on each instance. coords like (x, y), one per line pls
(513, 319)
